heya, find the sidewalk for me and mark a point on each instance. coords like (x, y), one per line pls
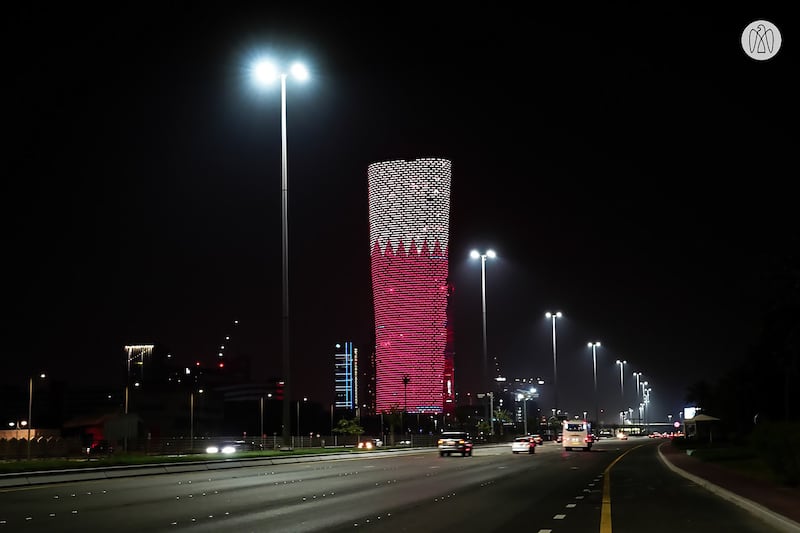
(776, 504)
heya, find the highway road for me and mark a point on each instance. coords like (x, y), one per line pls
(619, 486)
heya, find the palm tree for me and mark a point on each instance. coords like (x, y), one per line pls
(393, 417)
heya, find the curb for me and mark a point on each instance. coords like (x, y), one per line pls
(774, 519)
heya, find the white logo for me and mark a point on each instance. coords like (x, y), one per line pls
(761, 40)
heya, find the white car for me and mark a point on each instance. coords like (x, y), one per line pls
(524, 445)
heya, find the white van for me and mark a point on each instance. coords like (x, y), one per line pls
(577, 434)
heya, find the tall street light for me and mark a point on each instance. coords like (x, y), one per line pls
(524, 400)
(191, 419)
(554, 316)
(622, 364)
(265, 72)
(594, 346)
(30, 411)
(524, 396)
(483, 256)
(299, 435)
(637, 375)
(642, 416)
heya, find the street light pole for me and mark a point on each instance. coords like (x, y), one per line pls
(524, 412)
(622, 364)
(265, 72)
(30, 412)
(491, 255)
(491, 412)
(637, 375)
(125, 442)
(642, 412)
(553, 316)
(285, 267)
(261, 420)
(191, 421)
(593, 346)
(406, 379)
(299, 435)
(30, 409)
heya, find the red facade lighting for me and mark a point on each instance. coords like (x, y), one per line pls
(409, 210)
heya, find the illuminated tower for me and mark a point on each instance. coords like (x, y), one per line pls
(409, 226)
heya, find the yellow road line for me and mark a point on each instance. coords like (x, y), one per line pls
(605, 510)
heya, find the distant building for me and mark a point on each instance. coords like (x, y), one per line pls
(409, 221)
(346, 376)
(366, 384)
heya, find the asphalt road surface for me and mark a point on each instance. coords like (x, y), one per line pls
(619, 486)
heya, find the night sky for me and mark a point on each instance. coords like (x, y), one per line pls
(630, 167)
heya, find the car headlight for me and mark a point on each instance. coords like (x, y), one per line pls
(212, 449)
(228, 449)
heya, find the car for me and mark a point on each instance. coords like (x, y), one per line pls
(538, 438)
(622, 436)
(560, 438)
(523, 445)
(101, 447)
(369, 444)
(226, 447)
(451, 442)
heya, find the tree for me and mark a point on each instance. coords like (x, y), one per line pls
(348, 427)
(502, 416)
(394, 418)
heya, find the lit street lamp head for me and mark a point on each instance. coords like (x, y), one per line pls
(264, 72)
(475, 254)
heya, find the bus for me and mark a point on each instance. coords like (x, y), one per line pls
(577, 434)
